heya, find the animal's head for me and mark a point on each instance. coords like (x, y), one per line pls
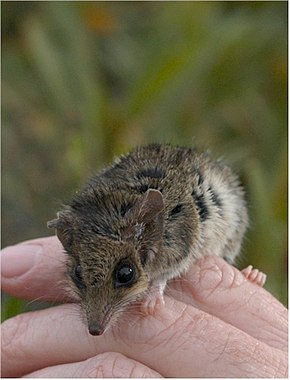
(110, 248)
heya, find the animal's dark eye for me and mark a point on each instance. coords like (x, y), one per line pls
(78, 271)
(124, 274)
(78, 280)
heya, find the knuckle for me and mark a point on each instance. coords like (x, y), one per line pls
(113, 364)
(95, 367)
(212, 274)
(193, 326)
(123, 366)
(108, 364)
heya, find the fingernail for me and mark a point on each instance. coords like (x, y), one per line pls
(18, 259)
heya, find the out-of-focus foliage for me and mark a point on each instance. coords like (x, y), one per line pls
(85, 81)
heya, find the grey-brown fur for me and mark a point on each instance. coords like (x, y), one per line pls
(197, 208)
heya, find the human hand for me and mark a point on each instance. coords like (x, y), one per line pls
(214, 323)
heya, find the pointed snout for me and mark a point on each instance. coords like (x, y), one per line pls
(96, 329)
(98, 315)
(98, 325)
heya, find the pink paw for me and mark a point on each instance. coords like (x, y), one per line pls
(152, 302)
(254, 275)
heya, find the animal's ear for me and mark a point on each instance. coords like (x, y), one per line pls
(64, 227)
(151, 205)
(149, 227)
(144, 215)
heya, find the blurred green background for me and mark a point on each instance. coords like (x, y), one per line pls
(85, 81)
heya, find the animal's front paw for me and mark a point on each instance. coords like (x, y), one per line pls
(154, 299)
(151, 304)
(254, 275)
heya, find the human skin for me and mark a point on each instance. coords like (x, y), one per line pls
(215, 323)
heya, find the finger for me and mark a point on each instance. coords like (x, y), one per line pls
(34, 269)
(107, 365)
(221, 290)
(179, 341)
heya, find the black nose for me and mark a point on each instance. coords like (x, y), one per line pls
(96, 329)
